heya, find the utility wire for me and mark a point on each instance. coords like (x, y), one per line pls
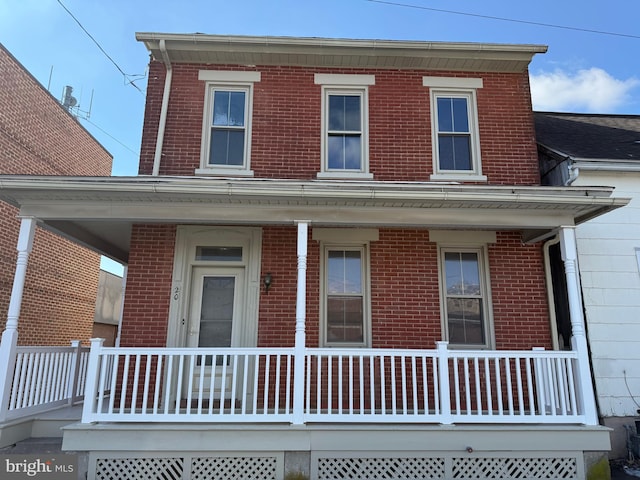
(125, 75)
(111, 136)
(503, 19)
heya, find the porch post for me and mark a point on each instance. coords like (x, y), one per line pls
(578, 337)
(10, 334)
(301, 306)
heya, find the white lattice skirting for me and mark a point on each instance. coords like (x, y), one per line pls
(498, 467)
(337, 466)
(194, 467)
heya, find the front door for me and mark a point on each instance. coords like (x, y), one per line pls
(214, 320)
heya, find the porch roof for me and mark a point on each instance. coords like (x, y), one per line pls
(99, 212)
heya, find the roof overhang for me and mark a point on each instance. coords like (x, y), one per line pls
(330, 52)
(99, 212)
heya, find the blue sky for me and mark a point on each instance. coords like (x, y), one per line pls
(582, 71)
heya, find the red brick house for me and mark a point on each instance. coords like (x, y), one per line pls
(335, 267)
(39, 137)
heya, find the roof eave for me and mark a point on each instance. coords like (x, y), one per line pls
(327, 52)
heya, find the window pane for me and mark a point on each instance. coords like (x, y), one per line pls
(236, 148)
(219, 254)
(336, 151)
(236, 110)
(216, 313)
(460, 115)
(336, 112)
(454, 152)
(465, 318)
(352, 113)
(445, 114)
(344, 113)
(221, 108)
(227, 147)
(344, 272)
(345, 319)
(352, 151)
(462, 273)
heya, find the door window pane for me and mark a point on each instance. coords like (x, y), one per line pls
(219, 254)
(216, 312)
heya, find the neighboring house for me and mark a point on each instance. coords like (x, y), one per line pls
(108, 308)
(592, 150)
(39, 137)
(335, 266)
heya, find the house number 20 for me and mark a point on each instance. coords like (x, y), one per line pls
(176, 293)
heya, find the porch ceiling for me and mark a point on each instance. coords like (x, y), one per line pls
(99, 211)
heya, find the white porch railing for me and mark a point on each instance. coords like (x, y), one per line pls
(376, 385)
(45, 378)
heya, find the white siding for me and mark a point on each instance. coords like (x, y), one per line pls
(611, 290)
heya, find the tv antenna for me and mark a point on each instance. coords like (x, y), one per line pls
(70, 103)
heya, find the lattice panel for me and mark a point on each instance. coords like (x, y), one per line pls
(233, 468)
(514, 468)
(139, 468)
(380, 468)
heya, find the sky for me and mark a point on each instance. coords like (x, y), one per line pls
(591, 66)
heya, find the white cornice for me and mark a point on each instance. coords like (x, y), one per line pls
(332, 52)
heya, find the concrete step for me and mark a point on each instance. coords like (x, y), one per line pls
(35, 446)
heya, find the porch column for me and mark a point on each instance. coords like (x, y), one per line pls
(10, 334)
(578, 337)
(301, 307)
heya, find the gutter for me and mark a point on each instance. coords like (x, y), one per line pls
(163, 111)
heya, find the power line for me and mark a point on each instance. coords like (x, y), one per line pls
(125, 75)
(503, 19)
(111, 136)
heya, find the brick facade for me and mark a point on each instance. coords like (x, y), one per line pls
(38, 137)
(404, 290)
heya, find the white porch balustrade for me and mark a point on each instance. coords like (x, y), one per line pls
(256, 385)
(45, 378)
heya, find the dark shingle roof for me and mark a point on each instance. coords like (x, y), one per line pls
(597, 136)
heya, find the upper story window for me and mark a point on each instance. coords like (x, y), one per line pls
(454, 123)
(226, 131)
(345, 143)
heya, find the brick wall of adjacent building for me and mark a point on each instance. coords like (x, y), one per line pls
(39, 137)
(286, 124)
(405, 298)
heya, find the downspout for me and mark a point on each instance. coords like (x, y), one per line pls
(573, 172)
(163, 111)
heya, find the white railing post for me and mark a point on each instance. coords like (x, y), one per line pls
(93, 378)
(300, 347)
(10, 334)
(74, 372)
(578, 338)
(445, 388)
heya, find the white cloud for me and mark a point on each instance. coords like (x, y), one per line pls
(588, 90)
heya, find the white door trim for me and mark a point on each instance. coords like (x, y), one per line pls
(188, 237)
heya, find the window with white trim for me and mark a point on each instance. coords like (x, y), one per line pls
(464, 287)
(455, 138)
(226, 133)
(345, 296)
(345, 145)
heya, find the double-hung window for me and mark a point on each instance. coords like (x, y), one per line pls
(226, 133)
(344, 292)
(464, 286)
(455, 138)
(345, 144)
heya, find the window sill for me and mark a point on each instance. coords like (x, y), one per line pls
(224, 172)
(344, 176)
(458, 177)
